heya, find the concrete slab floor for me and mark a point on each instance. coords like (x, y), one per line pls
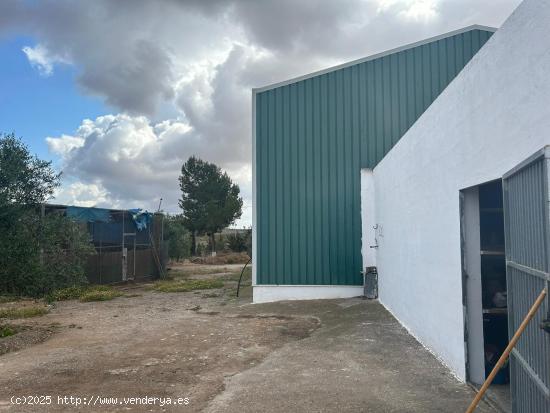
(499, 396)
(360, 359)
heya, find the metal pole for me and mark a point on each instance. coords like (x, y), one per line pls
(124, 274)
(100, 252)
(162, 228)
(134, 275)
(161, 241)
(42, 215)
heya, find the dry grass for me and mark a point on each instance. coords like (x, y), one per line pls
(179, 286)
(8, 298)
(86, 293)
(184, 272)
(222, 258)
(100, 295)
(247, 276)
(22, 312)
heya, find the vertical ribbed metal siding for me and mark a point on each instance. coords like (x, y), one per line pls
(312, 138)
(527, 223)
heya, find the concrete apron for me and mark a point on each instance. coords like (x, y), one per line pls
(360, 359)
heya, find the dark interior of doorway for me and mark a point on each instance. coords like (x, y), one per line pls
(493, 284)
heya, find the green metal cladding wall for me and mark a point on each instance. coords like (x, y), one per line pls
(312, 139)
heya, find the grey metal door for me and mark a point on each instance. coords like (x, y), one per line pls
(527, 228)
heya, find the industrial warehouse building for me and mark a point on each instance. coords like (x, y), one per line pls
(313, 135)
(400, 161)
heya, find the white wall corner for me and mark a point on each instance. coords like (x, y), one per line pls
(369, 226)
(254, 194)
(491, 117)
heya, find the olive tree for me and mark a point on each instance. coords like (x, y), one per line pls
(39, 253)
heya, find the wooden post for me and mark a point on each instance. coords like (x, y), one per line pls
(508, 350)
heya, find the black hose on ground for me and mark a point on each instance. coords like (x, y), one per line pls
(241, 277)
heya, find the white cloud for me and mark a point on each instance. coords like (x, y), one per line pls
(39, 59)
(420, 10)
(398, 6)
(87, 195)
(125, 161)
(180, 74)
(63, 145)
(42, 59)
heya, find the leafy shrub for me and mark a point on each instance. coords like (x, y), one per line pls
(6, 331)
(42, 254)
(236, 242)
(202, 249)
(178, 237)
(39, 254)
(240, 241)
(66, 247)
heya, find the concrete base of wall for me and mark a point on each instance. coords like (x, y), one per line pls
(270, 293)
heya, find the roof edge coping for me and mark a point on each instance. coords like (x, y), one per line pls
(374, 56)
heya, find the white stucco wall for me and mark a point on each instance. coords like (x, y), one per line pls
(492, 116)
(368, 219)
(271, 293)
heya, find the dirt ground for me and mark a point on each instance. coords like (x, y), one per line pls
(145, 344)
(223, 354)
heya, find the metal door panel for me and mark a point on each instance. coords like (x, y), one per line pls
(526, 216)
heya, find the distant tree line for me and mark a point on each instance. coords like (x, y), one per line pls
(179, 240)
(40, 253)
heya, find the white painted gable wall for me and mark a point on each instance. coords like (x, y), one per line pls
(492, 116)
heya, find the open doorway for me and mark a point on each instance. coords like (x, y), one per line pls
(484, 280)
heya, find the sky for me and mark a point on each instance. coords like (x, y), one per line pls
(118, 94)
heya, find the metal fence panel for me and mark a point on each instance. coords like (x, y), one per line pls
(527, 227)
